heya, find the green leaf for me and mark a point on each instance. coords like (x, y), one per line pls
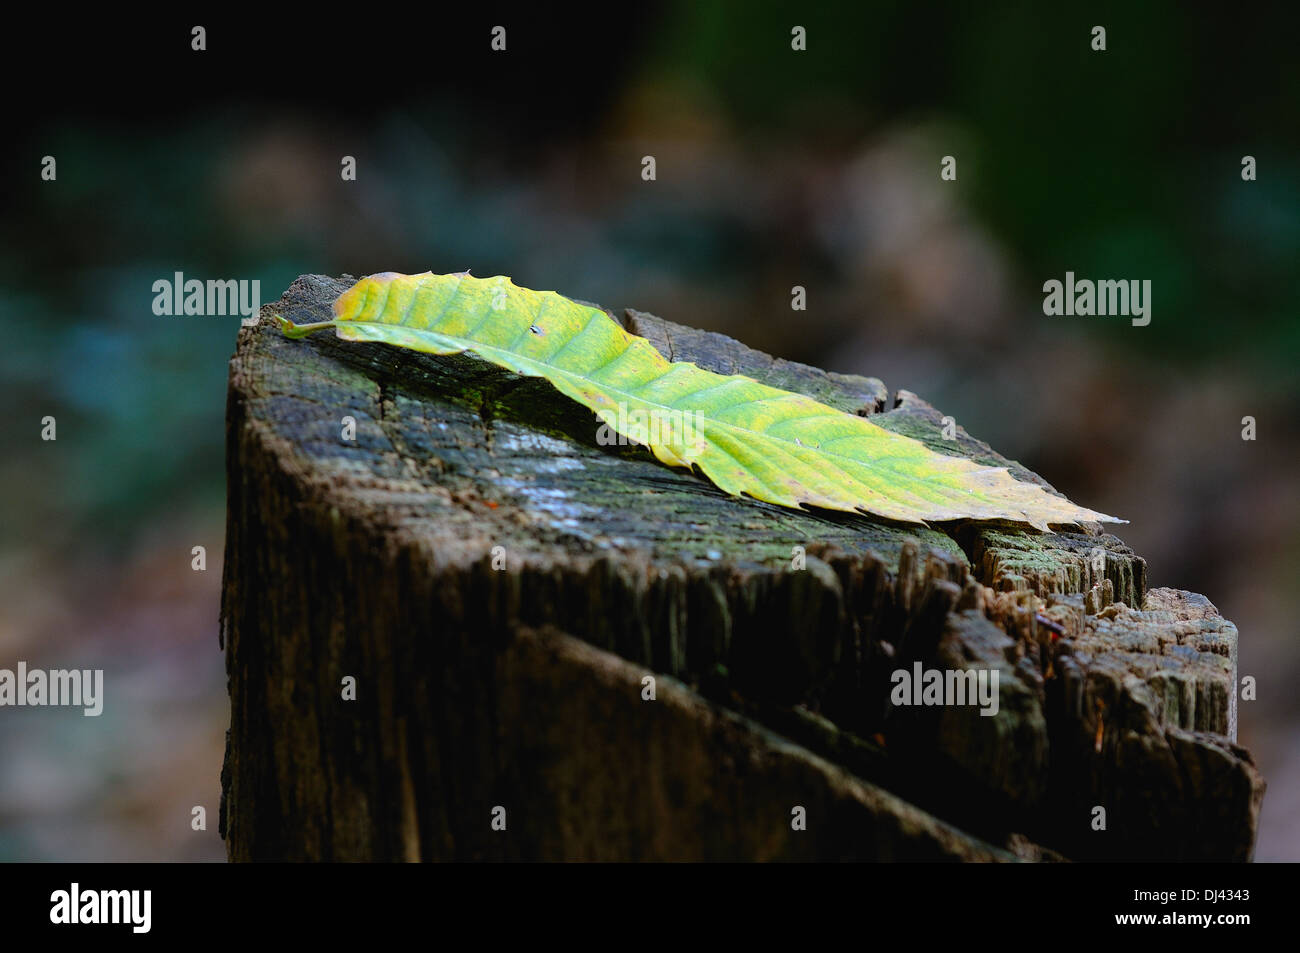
(746, 437)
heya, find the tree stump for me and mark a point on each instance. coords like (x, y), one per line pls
(468, 631)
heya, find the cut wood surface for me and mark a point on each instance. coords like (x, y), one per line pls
(499, 585)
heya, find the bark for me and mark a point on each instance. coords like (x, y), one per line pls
(499, 586)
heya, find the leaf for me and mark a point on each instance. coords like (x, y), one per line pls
(746, 437)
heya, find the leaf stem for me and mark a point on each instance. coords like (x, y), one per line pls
(292, 330)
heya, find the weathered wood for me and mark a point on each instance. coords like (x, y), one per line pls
(498, 584)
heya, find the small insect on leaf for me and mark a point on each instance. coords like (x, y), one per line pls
(748, 438)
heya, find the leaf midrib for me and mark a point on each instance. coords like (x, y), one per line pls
(947, 492)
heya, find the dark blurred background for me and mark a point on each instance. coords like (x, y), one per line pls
(775, 168)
